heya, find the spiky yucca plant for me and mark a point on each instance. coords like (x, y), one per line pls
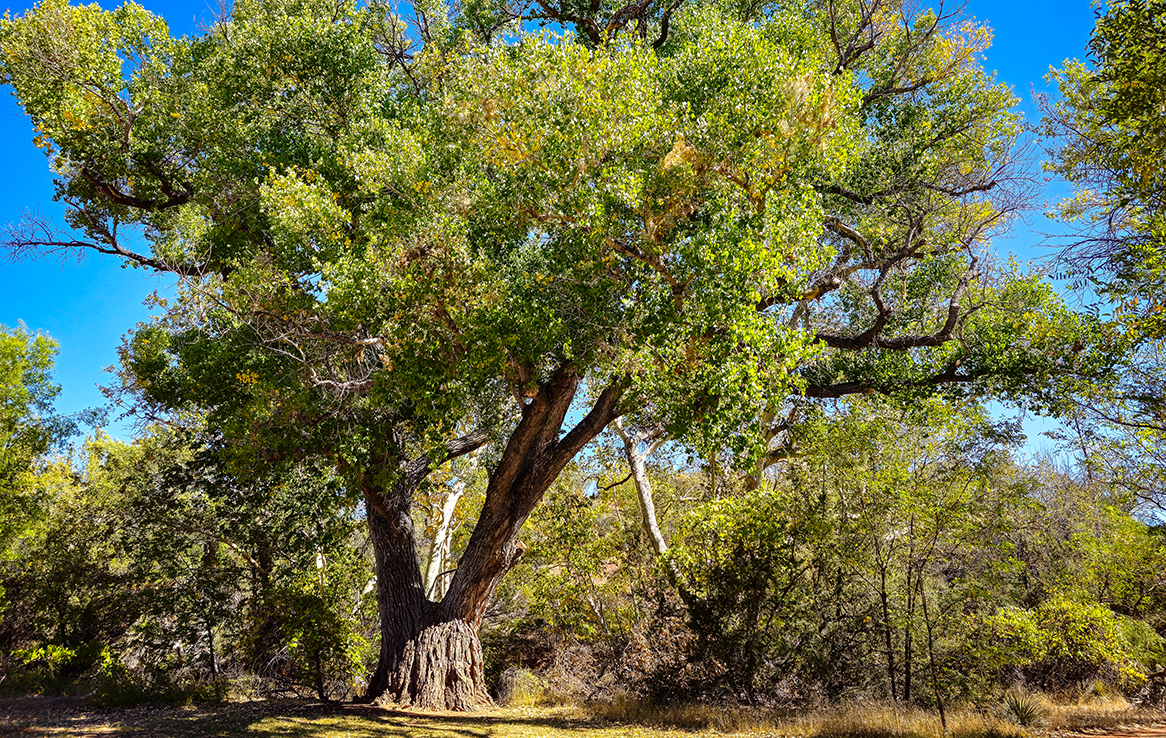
(1023, 708)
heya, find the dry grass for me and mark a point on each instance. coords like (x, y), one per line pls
(1093, 712)
(882, 721)
(852, 721)
(687, 717)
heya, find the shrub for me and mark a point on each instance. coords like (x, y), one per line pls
(126, 689)
(49, 668)
(1062, 643)
(520, 688)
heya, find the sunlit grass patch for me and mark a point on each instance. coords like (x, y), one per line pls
(1099, 711)
(862, 720)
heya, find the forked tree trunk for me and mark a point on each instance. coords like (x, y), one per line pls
(427, 659)
(430, 656)
(405, 613)
(782, 451)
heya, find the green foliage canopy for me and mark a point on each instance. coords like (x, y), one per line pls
(743, 210)
(1110, 142)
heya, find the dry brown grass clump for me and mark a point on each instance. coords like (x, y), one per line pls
(885, 721)
(1098, 711)
(721, 718)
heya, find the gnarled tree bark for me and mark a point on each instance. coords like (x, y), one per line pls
(430, 654)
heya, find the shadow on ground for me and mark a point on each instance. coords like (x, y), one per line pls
(71, 716)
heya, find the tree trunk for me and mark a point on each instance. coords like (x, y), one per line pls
(318, 676)
(774, 454)
(637, 463)
(909, 620)
(532, 460)
(400, 600)
(409, 670)
(889, 646)
(931, 661)
(908, 656)
(210, 646)
(430, 656)
(435, 568)
(442, 667)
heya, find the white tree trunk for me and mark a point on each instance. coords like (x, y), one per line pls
(637, 460)
(439, 559)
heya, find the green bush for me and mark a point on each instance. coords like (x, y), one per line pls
(1063, 642)
(95, 670)
(118, 687)
(322, 645)
(49, 668)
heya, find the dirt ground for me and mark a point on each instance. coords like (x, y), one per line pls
(1150, 731)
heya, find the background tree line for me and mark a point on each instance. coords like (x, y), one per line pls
(905, 553)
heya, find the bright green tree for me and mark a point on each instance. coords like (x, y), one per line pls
(857, 568)
(28, 425)
(164, 570)
(1110, 140)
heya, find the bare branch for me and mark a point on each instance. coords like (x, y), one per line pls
(35, 236)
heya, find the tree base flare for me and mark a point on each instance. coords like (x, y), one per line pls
(441, 669)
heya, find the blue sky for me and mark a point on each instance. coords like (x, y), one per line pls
(87, 306)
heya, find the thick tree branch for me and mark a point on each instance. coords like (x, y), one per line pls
(855, 197)
(961, 191)
(625, 15)
(665, 23)
(873, 338)
(584, 24)
(893, 90)
(605, 410)
(413, 472)
(859, 387)
(116, 196)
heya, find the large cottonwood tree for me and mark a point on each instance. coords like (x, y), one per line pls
(399, 237)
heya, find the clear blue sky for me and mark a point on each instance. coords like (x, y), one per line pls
(88, 306)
